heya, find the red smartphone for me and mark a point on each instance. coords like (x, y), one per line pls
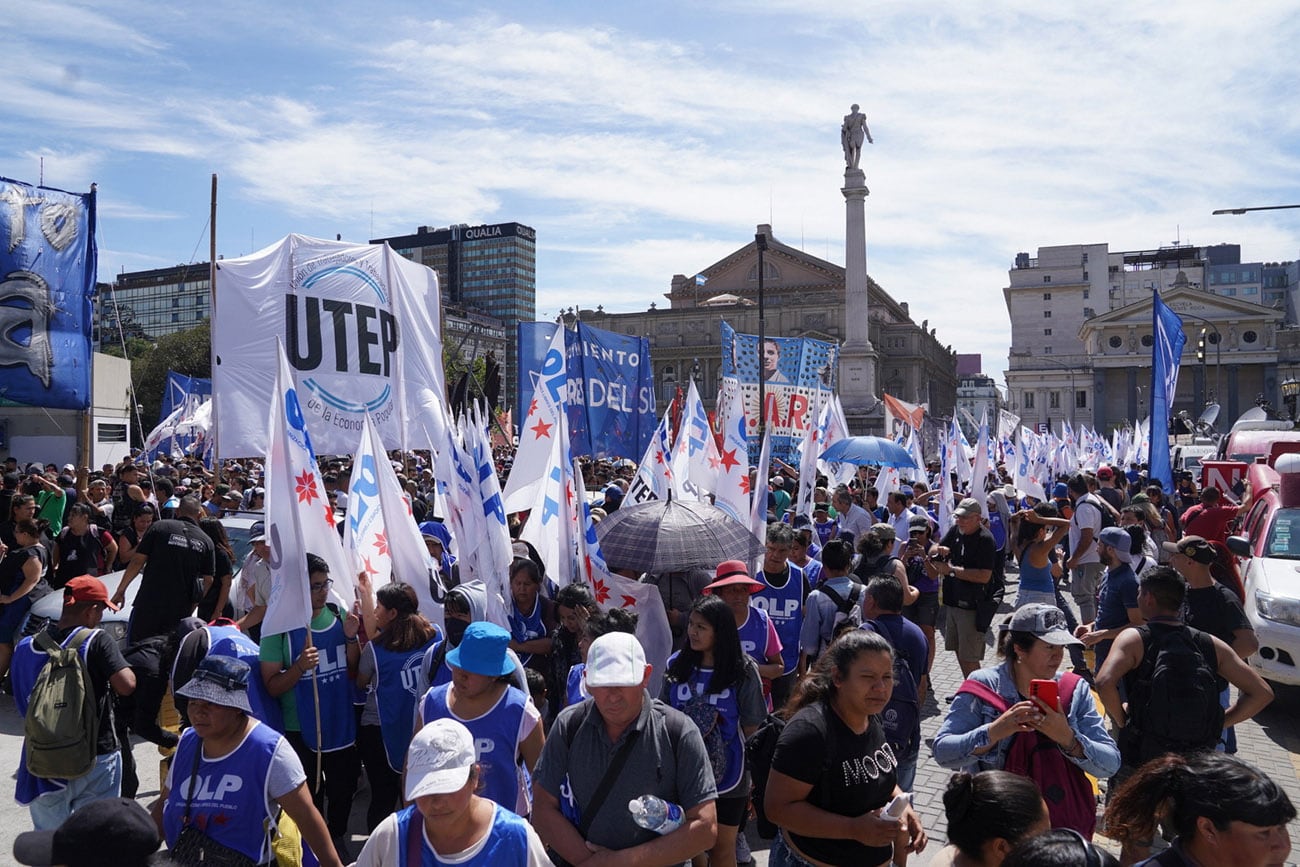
(1046, 692)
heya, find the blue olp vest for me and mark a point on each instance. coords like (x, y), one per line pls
(784, 605)
(753, 635)
(338, 722)
(527, 627)
(507, 841)
(728, 706)
(496, 740)
(229, 641)
(397, 689)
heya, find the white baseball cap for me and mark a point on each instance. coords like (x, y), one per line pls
(439, 759)
(615, 659)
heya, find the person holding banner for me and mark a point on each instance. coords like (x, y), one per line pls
(311, 679)
(390, 671)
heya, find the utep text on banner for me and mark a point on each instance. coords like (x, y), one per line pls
(611, 409)
(793, 369)
(47, 280)
(360, 328)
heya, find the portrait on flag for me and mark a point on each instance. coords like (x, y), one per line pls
(360, 329)
(792, 370)
(47, 281)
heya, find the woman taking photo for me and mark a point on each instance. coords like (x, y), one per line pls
(1225, 813)
(1040, 529)
(994, 707)
(448, 824)
(389, 664)
(833, 771)
(715, 683)
(502, 718)
(201, 810)
(988, 814)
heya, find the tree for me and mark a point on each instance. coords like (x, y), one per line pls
(188, 352)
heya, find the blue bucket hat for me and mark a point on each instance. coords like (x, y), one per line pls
(483, 650)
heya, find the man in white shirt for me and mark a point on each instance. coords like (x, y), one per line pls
(852, 517)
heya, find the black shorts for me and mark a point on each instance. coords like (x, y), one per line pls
(925, 610)
(731, 809)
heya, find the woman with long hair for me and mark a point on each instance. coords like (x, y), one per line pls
(216, 596)
(1225, 812)
(1040, 529)
(833, 771)
(574, 606)
(388, 670)
(714, 682)
(141, 518)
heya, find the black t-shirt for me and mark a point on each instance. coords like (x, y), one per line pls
(11, 571)
(1215, 610)
(179, 555)
(975, 550)
(79, 555)
(103, 659)
(851, 775)
(208, 605)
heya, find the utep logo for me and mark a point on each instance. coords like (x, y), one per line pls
(367, 491)
(363, 337)
(411, 673)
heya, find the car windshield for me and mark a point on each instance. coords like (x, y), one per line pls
(1283, 540)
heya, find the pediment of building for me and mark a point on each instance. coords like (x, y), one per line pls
(1193, 305)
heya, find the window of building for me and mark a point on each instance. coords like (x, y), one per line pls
(1212, 338)
(1147, 341)
(1251, 290)
(1081, 399)
(1047, 296)
(1047, 279)
(1249, 337)
(1047, 314)
(1047, 332)
(1085, 275)
(1029, 400)
(1085, 258)
(111, 433)
(1115, 341)
(1047, 350)
(1053, 400)
(1231, 291)
(1085, 291)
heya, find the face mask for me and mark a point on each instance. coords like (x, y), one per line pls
(455, 630)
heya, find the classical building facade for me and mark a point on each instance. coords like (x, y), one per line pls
(803, 297)
(1081, 331)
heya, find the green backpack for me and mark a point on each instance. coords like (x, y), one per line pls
(62, 726)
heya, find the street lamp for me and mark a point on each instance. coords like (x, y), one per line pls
(1290, 393)
(1200, 352)
(1240, 211)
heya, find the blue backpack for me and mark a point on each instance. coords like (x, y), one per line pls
(902, 716)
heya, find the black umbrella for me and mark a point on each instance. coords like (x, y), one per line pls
(674, 535)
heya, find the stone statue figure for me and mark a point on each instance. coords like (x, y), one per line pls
(852, 132)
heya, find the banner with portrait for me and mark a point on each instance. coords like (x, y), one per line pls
(792, 369)
(47, 281)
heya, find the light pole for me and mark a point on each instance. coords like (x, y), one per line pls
(1240, 211)
(760, 241)
(1200, 352)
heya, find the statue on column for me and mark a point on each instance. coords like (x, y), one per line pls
(852, 132)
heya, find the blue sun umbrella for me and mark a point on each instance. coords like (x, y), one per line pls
(869, 450)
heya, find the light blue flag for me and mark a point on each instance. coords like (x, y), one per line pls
(1166, 354)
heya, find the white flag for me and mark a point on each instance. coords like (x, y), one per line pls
(980, 470)
(758, 513)
(299, 519)
(654, 477)
(732, 493)
(552, 524)
(810, 451)
(834, 428)
(539, 429)
(699, 476)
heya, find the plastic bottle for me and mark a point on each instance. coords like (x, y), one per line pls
(656, 814)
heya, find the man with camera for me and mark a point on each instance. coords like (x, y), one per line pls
(964, 562)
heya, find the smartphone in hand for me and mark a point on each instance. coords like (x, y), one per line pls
(1046, 692)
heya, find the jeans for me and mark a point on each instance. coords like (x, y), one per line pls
(906, 772)
(104, 781)
(780, 855)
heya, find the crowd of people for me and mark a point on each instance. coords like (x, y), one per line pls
(793, 697)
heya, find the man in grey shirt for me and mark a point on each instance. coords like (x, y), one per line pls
(666, 758)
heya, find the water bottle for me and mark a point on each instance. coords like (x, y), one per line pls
(656, 814)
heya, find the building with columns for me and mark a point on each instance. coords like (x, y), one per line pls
(803, 297)
(1081, 332)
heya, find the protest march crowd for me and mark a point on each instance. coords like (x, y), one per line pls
(792, 697)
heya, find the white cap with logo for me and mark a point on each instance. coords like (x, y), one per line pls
(439, 759)
(615, 659)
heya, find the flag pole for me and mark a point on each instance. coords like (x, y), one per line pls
(212, 317)
(315, 695)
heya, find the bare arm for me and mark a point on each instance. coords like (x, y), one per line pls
(132, 569)
(300, 808)
(787, 806)
(530, 749)
(1245, 642)
(1254, 694)
(31, 576)
(1125, 655)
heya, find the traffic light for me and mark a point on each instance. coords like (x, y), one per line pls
(1200, 347)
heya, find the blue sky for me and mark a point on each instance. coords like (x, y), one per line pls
(644, 140)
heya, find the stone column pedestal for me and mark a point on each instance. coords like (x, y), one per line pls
(857, 385)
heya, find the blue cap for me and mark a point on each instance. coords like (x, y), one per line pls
(482, 650)
(1061, 490)
(612, 490)
(1117, 538)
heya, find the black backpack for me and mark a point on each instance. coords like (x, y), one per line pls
(902, 716)
(759, 749)
(1174, 700)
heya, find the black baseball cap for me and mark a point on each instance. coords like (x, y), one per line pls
(111, 832)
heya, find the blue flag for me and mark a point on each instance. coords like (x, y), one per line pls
(47, 280)
(1166, 354)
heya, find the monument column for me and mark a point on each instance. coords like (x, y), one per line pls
(857, 386)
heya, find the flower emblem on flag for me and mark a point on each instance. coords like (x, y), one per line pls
(381, 543)
(602, 591)
(329, 514)
(305, 487)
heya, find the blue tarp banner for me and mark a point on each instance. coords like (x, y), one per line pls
(792, 369)
(611, 393)
(610, 387)
(47, 280)
(179, 388)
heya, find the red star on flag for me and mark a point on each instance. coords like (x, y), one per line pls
(744, 484)
(629, 602)
(381, 543)
(305, 487)
(369, 569)
(329, 514)
(729, 461)
(602, 591)
(714, 462)
(532, 407)
(541, 429)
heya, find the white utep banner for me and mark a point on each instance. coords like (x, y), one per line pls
(361, 332)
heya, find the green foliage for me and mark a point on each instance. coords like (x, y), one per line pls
(136, 347)
(454, 367)
(187, 352)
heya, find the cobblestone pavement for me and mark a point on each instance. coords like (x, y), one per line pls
(1270, 742)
